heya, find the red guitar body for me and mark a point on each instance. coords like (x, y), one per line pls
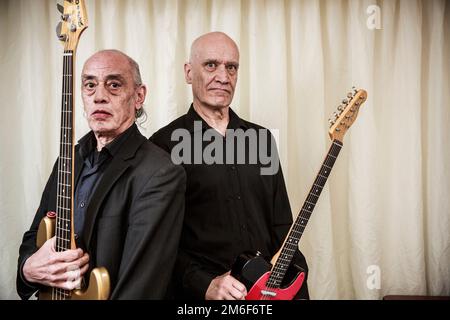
(254, 271)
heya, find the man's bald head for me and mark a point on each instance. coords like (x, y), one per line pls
(213, 70)
(211, 39)
(134, 67)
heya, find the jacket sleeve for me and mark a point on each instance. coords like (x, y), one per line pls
(151, 244)
(28, 247)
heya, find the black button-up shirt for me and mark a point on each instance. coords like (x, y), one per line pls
(230, 207)
(94, 164)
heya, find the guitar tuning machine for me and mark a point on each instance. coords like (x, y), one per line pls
(60, 8)
(60, 36)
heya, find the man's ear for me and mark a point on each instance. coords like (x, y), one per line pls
(141, 93)
(187, 72)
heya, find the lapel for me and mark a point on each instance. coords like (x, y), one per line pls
(119, 164)
(78, 165)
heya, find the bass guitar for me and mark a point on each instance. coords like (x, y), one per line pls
(60, 224)
(281, 279)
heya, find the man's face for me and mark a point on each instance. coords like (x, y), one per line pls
(109, 94)
(213, 71)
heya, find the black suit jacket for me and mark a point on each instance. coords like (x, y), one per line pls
(132, 224)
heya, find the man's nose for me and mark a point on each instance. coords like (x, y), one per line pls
(222, 74)
(101, 95)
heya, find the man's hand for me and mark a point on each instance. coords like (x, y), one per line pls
(56, 269)
(225, 287)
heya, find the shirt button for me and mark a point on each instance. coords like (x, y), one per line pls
(233, 167)
(82, 204)
(238, 197)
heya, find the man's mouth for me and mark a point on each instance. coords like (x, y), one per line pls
(101, 114)
(220, 90)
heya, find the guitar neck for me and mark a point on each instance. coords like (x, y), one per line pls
(291, 243)
(64, 206)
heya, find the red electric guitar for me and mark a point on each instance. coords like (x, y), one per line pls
(281, 279)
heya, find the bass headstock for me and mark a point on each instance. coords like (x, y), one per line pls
(73, 22)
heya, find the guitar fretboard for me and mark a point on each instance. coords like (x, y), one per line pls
(63, 229)
(291, 244)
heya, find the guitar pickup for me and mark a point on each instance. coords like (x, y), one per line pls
(268, 293)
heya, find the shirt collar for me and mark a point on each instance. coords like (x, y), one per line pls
(192, 115)
(88, 143)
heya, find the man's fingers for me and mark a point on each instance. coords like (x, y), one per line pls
(236, 294)
(239, 286)
(84, 269)
(68, 255)
(83, 260)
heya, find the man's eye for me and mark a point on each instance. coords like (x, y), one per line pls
(89, 85)
(232, 68)
(114, 85)
(210, 66)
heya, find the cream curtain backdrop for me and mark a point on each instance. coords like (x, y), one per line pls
(382, 223)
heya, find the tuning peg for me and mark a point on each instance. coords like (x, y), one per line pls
(349, 95)
(60, 36)
(331, 121)
(354, 90)
(340, 107)
(60, 8)
(345, 101)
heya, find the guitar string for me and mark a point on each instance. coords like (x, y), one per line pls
(62, 202)
(274, 280)
(278, 268)
(305, 215)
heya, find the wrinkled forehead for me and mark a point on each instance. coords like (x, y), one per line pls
(102, 66)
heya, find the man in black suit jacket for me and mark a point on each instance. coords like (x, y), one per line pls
(129, 196)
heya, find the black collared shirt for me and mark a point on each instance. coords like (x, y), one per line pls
(94, 165)
(230, 207)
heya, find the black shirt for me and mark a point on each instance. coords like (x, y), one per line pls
(230, 207)
(94, 164)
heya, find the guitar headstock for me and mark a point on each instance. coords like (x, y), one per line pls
(74, 21)
(346, 114)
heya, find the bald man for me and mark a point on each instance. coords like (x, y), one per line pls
(129, 196)
(236, 198)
